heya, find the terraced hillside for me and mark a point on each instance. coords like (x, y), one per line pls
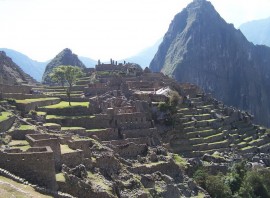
(206, 126)
(124, 134)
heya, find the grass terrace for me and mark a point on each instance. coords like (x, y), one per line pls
(26, 101)
(64, 104)
(26, 127)
(60, 177)
(48, 117)
(21, 144)
(94, 130)
(66, 149)
(180, 161)
(4, 116)
(11, 188)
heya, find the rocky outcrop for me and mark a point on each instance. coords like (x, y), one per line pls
(65, 57)
(11, 74)
(201, 48)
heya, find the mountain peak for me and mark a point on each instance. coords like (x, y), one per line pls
(201, 48)
(65, 57)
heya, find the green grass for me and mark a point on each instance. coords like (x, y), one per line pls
(67, 117)
(41, 113)
(4, 116)
(99, 181)
(26, 101)
(220, 142)
(64, 105)
(60, 177)
(66, 149)
(94, 130)
(50, 124)
(20, 144)
(71, 128)
(26, 127)
(180, 161)
(10, 188)
(246, 148)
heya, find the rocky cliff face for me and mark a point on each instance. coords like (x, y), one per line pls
(65, 57)
(201, 48)
(10, 73)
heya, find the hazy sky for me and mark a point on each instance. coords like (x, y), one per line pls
(101, 29)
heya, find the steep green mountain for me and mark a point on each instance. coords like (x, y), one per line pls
(65, 57)
(257, 31)
(201, 48)
(32, 67)
(11, 74)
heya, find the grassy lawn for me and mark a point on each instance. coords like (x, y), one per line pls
(66, 149)
(10, 188)
(71, 128)
(180, 161)
(4, 116)
(64, 104)
(26, 127)
(67, 117)
(20, 144)
(94, 130)
(50, 124)
(41, 113)
(34, 100)
(60, 177)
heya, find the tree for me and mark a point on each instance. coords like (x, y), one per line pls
(66, 74)
(58, 75)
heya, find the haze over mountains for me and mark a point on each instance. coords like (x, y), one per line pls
(201, 48)
(257, 31)
(10, 73)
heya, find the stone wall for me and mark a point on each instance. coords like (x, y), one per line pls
(83, 145)
(105, 135)
(72, 159)
(131, 150)
(39, 140)
(91, 91)
(99, 121)
(139, 133)
(22, 96)
(132, 120)
(36, 165)
(26, 107)
(141, 140)
(108, 67)
(20, 134)
(168, 168)
(15, 89)
(6, 124)
(75, 111)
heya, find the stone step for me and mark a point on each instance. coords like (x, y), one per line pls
(203, 133)
(199, 117)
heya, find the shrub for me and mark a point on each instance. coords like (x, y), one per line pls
(11, 101)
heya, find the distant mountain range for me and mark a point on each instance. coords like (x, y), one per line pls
(31, 67)
(11, 74)
(36, 68)
(257, 31)
(201, 48)
(144, 57)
